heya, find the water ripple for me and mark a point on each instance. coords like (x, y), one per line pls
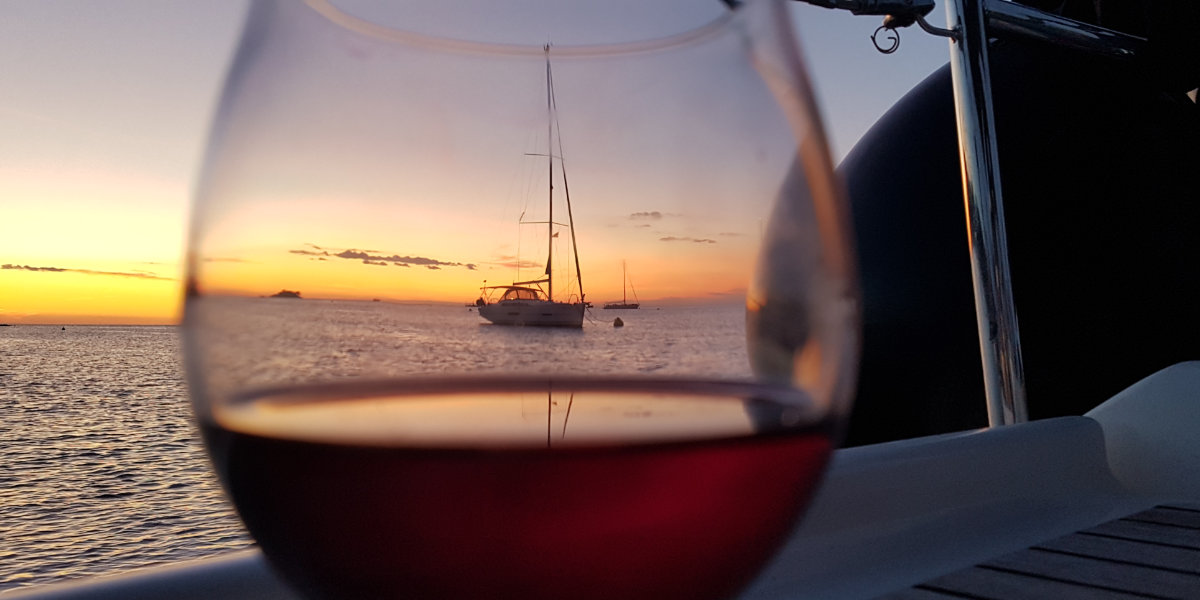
(102, 469)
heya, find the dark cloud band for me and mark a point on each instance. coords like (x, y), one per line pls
(376, 259)
(134, 275)
(671, 238)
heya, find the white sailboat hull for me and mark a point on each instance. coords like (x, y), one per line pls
(534, 313)
(621, 305)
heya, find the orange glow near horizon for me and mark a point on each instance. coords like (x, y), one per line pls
(323, 274)
(64, 291)
(374, 249)
(95, 245)
(87, 297)
(377, 247)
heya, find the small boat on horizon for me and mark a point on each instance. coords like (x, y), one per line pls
(624, 304)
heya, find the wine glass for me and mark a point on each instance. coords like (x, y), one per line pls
(519, 298)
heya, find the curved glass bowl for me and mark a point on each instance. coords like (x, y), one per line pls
(488, 301)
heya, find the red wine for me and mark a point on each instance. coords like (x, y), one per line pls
(524, 490)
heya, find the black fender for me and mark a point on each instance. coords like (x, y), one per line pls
(1102, 204)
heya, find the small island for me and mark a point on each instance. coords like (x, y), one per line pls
(285, 294)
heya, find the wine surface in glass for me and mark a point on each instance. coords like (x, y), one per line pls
(519, 488)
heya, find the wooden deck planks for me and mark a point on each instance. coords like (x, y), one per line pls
(1099, 573)
(1148, 532)
(1152, 554)
(1160, 556)
(1177, 517)
(981, 582)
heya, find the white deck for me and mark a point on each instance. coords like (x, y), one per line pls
(894, 515)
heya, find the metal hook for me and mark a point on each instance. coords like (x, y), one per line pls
(930, 29)
(894, 39)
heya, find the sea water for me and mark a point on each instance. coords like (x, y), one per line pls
(101, 467)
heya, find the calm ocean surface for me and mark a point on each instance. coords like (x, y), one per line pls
(101, 468)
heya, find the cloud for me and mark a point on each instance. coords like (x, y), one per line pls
(733, 293)
(29, 268)
(134, 275)
(671, 238)
(313, 254)
(512, 262)
(653, 214)
(376, 258)
(396, 259)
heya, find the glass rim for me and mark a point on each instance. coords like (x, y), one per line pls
(713, 28)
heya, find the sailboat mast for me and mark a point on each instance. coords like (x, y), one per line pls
(550, 159)
(624, 279)
(562, 160)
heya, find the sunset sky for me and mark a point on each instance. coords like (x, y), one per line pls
(105, 112)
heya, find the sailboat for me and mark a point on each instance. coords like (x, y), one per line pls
(528, 302)
(624, 303)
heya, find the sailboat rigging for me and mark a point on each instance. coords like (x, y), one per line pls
(624, 303)
(527, 302)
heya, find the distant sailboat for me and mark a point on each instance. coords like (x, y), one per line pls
(624, 303)
(527, 302)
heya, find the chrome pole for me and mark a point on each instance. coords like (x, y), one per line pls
(999, 341)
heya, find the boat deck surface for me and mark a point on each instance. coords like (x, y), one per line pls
(1149, 554)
